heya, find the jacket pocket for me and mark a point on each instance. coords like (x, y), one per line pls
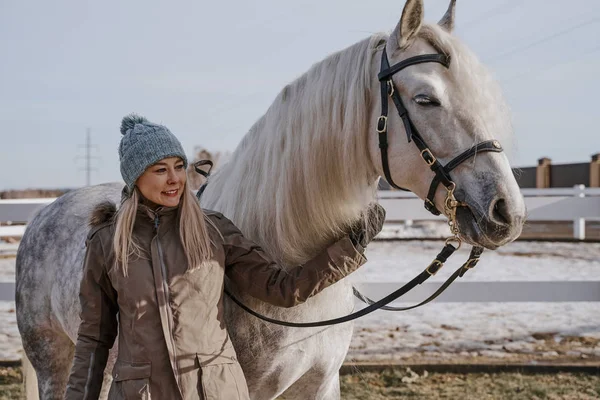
(130, 381)
(221, 378)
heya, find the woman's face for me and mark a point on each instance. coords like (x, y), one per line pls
(164, 182)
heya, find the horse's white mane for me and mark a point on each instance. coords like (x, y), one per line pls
(303, 172)
(300, 175)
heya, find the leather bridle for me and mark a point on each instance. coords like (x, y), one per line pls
(442, 176)
(442, 172)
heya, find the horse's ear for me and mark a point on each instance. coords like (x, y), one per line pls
(447, 21)
(410, 23)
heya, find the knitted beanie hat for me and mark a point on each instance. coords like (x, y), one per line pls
(144, 144)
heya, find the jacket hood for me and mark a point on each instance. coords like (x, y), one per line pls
(103, 213)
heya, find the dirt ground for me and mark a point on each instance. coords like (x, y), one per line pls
(406, 384)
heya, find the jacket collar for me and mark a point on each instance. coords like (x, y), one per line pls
(164, 213)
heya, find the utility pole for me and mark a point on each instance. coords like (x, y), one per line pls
(88, 157)
(88, 164)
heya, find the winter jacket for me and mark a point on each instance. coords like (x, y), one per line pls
(173, 341)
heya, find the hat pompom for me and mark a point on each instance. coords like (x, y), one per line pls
(130, 120)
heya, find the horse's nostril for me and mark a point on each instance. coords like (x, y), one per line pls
(500, 212)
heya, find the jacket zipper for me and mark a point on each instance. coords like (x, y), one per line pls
(168, 298)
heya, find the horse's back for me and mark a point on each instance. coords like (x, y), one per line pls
(50, 257)
(49, 266)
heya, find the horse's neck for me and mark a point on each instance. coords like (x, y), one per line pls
(301, 175)
(294, 232)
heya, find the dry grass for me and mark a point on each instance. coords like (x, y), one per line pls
(11, 382)
(405, 384)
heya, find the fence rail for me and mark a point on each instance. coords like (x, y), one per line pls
(571, 204)
(461, 292)
(577, 204)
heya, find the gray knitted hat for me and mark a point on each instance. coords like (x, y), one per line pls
(144, 144)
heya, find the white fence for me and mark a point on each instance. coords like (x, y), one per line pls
(572, 204)
(576, 204)
(19, 211)
(462, 292)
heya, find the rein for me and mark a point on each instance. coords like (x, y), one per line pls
(382, 304)
(442, 175)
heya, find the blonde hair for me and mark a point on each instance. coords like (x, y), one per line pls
(193, 231)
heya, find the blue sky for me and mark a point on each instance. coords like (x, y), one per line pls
(208, 70)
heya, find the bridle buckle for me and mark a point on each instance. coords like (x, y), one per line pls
(471, 263)
(428, 156)
(382, 124)
(434, 267)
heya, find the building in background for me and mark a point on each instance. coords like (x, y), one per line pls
(548, 175)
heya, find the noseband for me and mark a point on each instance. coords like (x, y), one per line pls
(442, 172)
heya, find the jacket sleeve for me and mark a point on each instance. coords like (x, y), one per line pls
(98, 328)
(253, 271)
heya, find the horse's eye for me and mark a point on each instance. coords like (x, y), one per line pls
(424, 100)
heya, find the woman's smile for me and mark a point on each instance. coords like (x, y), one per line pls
(171, 193)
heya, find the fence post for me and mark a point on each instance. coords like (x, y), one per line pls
(542, 173)
(595, 170)
(579, 223)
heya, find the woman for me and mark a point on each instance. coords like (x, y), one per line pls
(157, 266)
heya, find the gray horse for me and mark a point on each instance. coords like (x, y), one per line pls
(307, 167)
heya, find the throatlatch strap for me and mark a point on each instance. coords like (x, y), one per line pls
(383, 145)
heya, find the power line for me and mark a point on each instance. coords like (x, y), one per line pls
(549, 67)
(492, 13)
(543, 40)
